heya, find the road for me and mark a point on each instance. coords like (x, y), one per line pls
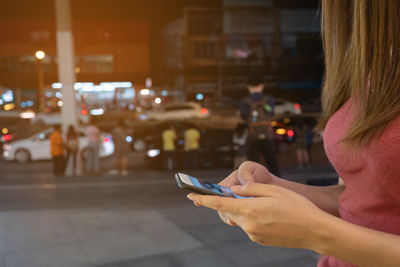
(140, 220)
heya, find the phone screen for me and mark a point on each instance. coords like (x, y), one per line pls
(203, 187)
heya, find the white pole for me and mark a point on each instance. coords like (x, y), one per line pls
(66, 74)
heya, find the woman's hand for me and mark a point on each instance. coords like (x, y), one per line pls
(248, 172)
(274, 216)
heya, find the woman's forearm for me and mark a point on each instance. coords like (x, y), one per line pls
(325, 197)
(358, 245)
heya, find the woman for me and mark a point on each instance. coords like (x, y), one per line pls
(72, 147)
(358, 223)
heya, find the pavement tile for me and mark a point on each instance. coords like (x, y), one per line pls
(117, 236)
(164, 260)
(203, 257)
(36, 231)
(67, 256)
(246, 254)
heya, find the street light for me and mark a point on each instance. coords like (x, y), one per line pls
(40, 55)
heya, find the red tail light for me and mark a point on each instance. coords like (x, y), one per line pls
(204, 111)
(290, 133)
(297, 106)
(7, 137)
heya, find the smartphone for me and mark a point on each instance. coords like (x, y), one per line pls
(199, 186)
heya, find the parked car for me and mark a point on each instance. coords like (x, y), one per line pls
(37, 147)
(216, 145)
(286, 107)
(54, 118)
(176, 111)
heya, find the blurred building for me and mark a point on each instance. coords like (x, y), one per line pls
(107, 48)
(213, 49)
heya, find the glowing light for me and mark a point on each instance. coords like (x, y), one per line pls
(204, 111)
(4, 131)
(8, 96)
(60, 103)
(29, 103)
(128, 139)
(117, 84)
(97, 111)
(286, 120)
(106, 139)
(77, 70)
(9, 106)
(84, 112)
(199, 97)
(142, 117)
(297, 106)
(56, 85)
(145, 92)
(83, 86)
(274, 123)
(164, 92)
(131, 106)
(27, 115)
(7, 137)
(153, 153)
(6, 154)
(58, 94)
(290, 133)
(40, 54)
(157, 100)
(1, 101)
(280, 131)
(149, 83)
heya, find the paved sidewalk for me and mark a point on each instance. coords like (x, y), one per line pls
(143, 220)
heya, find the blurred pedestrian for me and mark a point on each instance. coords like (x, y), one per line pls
(240, 141)
(192, 145)
(92, 160)
(57, 151)
(300, 142)
(121, 149)
(258, 110)
(72, 147)
(309, 142)
(169, 138)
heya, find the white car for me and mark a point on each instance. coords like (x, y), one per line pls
(37, 147)
(177, 111)
(54, 118)
(286, 107)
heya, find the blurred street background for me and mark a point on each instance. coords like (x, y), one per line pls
(123, 73)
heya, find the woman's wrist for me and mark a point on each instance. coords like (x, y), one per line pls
(323, 231)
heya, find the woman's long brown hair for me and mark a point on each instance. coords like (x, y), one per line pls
(361, 40)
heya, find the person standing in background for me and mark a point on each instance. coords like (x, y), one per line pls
(121, 149)
(169, 138)
(92, 161)
(192, 145)
(300, 142)
(257, 110)
(72, 147)
(57, 151)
